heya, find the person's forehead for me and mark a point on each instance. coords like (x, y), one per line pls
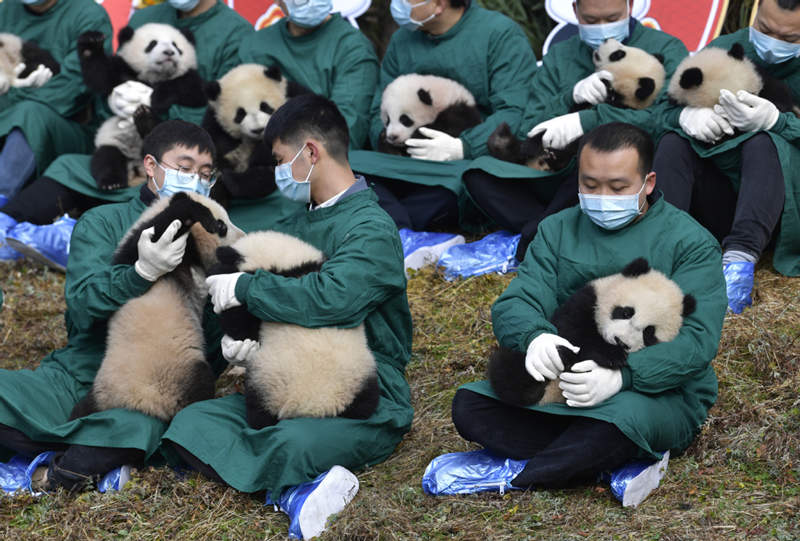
(180, 152)
(621, 158)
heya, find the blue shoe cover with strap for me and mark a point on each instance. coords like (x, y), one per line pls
(493, 253)
(115, 479)
(7, 223)
(634, 481)
(470, 472)
(739, 276)
(47, 244)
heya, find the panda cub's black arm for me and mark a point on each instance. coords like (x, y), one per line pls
(34, 56)
(186, 90)
(101, 72)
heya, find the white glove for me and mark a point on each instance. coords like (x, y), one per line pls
(222, 288)
(588, 384)
(704, 124)
(162, 256)
(591, 89)
(35, 79)
(238, 352)
(127, 97)
(747, 111)
(559, 131)
(439, 148)
(542, 359)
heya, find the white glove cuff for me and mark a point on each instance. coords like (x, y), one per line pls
(146, 273)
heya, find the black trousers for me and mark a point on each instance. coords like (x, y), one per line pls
(564, 451)
(416, 206)
(44, 200)
(73, 465)
(513, 205)
(743, 221)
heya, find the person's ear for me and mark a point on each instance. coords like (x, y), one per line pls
(314, 151)
(150, 165)
(650, 182)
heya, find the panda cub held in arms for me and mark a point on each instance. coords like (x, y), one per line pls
(157, 55)
(14, 51)
(699, 78)
(638, 78)
(412, 101)
(155, 351)
(296, 371)
(239, 106)
(607, 319)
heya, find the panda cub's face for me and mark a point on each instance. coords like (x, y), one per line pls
(158, 52)
(404, 109)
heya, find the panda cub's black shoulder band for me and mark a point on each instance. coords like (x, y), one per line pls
(637, 267)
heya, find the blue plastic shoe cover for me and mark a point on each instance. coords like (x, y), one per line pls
(3, 200)
(422, 248)
(47, 244)
(310, 504)
(7, 223)
(739, 277)
(42, 459)
(493, 253)
(632, 482)
(470, 472)
(115, 479)
(13, 474)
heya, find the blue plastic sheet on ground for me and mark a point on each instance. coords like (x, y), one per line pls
(470, 472)
(12, 474)
(493, 253)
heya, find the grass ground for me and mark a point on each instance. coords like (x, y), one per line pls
(739, 480)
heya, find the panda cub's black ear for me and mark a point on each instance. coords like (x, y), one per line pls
(637, 267)
(124, 35)
(212, 90)
(425, 96)
(188, 35)
(273, 72)
(736, 51)
(689, 305)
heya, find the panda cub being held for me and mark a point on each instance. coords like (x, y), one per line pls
(607, 319)
(15, 51)
(239, 106)
(157, 55)
(155, 348)
(296, 371)
(413, 101)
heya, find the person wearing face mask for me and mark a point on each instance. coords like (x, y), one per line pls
(35, 404)
(361, 282)
(487, 53)
(517, 198)
(67, 184)
(659, 401)
(741, 184)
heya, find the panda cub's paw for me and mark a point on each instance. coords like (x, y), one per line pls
(90, 43)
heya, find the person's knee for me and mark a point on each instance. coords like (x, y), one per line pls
(761, 145)
(672, 144)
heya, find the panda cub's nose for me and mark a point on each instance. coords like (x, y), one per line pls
(169, 52)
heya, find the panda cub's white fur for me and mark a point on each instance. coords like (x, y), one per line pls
(10, 56)
(299, 371)
(629, 65)
(719, 70)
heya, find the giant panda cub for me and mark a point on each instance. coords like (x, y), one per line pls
(14, 51)
(607, 319)
(412, 101)
(155, 54)
(297, 371)
(155, 351)
(239, 106)
(699, 78)
(638, 78)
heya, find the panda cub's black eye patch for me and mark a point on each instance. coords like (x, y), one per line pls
(616, 56)
(180, 51)
(622, 312)
(150, 46)
(649, 336)
(265, 108)
(406, 121)
(240, 114)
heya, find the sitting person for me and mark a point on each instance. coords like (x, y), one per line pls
(741, 187)
(35, 404)
(361, 281)
(67, 186)
(657, 402)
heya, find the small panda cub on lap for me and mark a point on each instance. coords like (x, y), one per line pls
(296, 371)
(155, 350)
(413, 101)
(607, 319)
(15, 51)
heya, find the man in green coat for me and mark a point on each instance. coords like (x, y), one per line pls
(39, 115)
(741, 186)
(516, 197)
(361, 282)
(483, 50)
(35, 404)
(657, 402)
(67, 185)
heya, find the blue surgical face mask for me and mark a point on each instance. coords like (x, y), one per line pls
(401, 13)
(611, 211)
(595, 34)
(177, 181)
(183, 5)
(295, 190)
(308, 13)
(771, 50)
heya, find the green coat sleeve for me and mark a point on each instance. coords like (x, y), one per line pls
(669, 365)
(353, 87)
(94, 288)
(389, 71)
(359, 277)
(788, 127)
(548, 96)
(521, 312)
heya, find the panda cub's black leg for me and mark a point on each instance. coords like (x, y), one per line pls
(109, 167)
(85, 406)
(366, 401)
(257, 416)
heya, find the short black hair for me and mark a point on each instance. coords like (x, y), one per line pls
(791, 5)
(459, 3)
(172, 133)
(310, 115)
(618, 135)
